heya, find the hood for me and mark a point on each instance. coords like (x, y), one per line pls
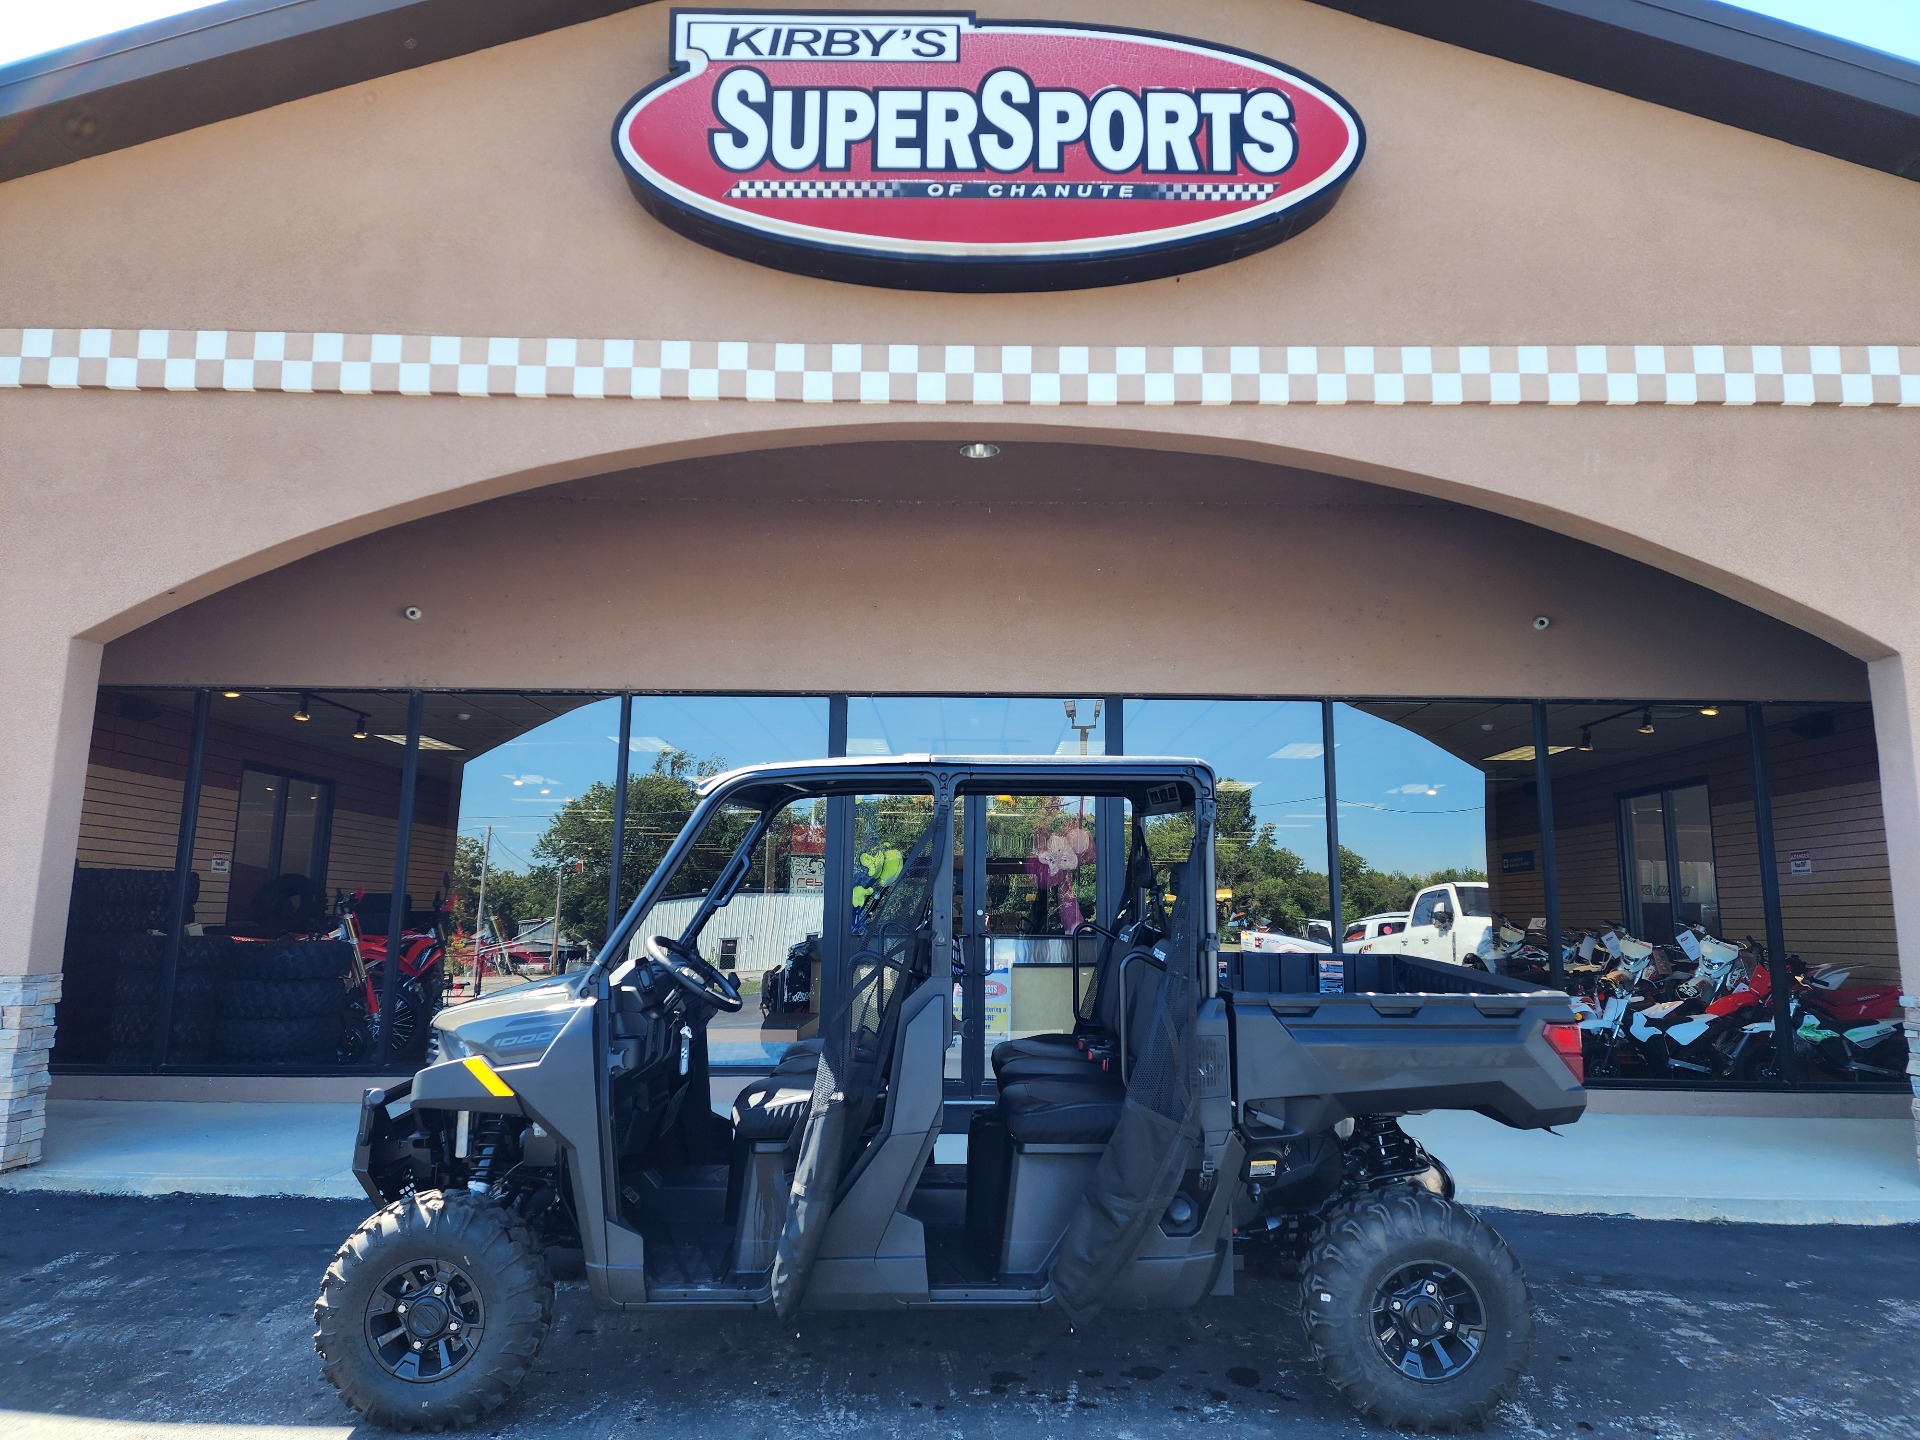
(509, 1027)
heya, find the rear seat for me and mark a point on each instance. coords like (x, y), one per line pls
(1035, 1057)
(1077, 1103)
(1077, 1111)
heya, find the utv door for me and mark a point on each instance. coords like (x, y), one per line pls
(895, 921)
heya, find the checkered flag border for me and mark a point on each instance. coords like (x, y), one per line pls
(814, 190)
(307, 362)
(1204, 190)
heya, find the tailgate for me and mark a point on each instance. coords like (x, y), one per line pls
(1301, 1062)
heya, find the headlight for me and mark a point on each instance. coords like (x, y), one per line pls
(445, 1045)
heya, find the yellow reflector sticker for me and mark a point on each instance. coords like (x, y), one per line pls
(484, 1073)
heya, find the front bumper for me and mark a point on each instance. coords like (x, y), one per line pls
(383, 1149)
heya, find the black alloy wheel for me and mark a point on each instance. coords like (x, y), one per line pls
(433, 1311)
(425, 1320)
(1429, 1321)
(1415, 1309)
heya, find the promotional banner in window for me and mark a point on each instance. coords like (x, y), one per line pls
(937, 152)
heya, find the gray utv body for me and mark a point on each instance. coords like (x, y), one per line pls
(1116, 1166)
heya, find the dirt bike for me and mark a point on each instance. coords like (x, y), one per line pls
(1605, 1015)
(417, 986)
(1846, 1032)
(1686, 1029)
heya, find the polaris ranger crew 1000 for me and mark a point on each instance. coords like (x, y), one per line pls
(1180, 1114)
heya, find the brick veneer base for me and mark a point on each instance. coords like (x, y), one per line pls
(26, 1042)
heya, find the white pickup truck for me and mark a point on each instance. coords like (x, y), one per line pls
(1445, 922)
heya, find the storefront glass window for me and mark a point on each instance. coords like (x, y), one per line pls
(975, 725)
(123, 886)
(985, 725)
(1654, 829)
(1271, 852)
(1836, 895)
(1430, 792)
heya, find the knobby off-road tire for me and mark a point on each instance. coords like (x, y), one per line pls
(1367, 1276)
(292, 960)
(284, 999)
(447, 1232)
(309, 1040)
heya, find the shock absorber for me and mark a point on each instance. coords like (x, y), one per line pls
(1379, 1149)
(489, 1141)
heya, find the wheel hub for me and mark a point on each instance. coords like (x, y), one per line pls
(425, 1320)
(1428, 1320)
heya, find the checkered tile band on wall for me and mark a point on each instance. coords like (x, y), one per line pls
(331, 363)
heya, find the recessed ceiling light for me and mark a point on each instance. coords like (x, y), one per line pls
(231, 694)
(979, 450)
(1709, 710)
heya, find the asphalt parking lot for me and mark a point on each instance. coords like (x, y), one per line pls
(135, 1316)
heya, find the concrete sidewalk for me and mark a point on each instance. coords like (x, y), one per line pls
(1656, 1167)
(1686, 1167)
(164, 1147)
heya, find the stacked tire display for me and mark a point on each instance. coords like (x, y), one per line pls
(196, 1000)
(283, 1003)
(108, 908)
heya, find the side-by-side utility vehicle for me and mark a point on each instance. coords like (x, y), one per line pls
(1181, 1115)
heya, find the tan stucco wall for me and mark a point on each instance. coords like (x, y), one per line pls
(478, 196)
(1052, 568)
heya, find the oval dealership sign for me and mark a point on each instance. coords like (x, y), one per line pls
(932, 151)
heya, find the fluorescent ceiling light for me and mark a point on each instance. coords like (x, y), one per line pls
(1299, 750)
(651, 744)
(867, 747)
(1525, 752)
(427, 742)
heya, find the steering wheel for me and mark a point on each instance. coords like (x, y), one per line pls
(692, 974)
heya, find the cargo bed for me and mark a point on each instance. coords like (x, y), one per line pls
(1319, 1037)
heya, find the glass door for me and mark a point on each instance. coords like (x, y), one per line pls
(1666, 855)
(281, 828)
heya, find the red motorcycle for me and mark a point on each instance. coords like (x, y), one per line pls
(417, 987)
(1850, 1032)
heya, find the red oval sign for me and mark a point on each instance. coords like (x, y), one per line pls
(932, 151)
